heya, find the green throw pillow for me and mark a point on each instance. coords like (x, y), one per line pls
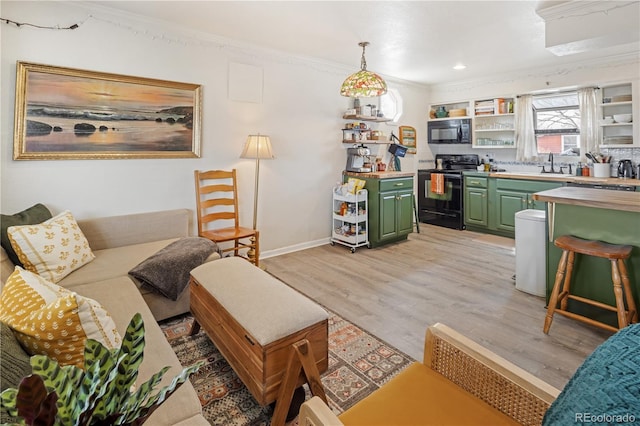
(15, 361)
(31, 216)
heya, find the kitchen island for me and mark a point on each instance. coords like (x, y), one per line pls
(594, 214)
(390, 200)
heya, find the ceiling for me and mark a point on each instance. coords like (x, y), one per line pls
(418, 41)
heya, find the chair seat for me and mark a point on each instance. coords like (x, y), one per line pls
(420, 396)
(228, 234)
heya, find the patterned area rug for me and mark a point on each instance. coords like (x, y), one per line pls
(359, 363)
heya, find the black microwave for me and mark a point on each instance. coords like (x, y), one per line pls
(450, 131)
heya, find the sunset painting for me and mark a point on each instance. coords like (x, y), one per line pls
(64, 113)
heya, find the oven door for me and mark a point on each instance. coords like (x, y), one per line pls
(440, 209)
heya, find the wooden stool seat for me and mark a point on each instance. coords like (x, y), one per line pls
(593, 248)
(617, 254)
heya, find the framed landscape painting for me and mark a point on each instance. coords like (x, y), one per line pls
(65, 113)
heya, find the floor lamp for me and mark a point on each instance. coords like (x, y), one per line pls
(257, 147)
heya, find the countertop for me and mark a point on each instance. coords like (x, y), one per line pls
(589, 197)
(379, 175)
(564, 178)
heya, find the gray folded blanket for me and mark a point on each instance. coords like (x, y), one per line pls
(167, 271)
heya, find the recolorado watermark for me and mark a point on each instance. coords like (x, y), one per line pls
(604, 418)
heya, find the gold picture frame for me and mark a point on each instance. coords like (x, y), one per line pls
(408, 138)
(65, 113)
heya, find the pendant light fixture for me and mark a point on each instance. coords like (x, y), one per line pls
(363, 84)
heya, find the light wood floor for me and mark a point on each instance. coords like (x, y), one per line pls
(459, 278)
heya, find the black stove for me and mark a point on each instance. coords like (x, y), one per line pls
(455, 162)
(443, 206)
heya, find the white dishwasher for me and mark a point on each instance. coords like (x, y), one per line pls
(531, 238)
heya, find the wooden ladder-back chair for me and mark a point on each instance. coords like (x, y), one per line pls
(217, 200)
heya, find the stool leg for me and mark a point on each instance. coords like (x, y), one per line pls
(617, 291)
(632, 317)
(566, 288)
(553, 299)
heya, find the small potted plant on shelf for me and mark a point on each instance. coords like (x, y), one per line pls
(102, 393)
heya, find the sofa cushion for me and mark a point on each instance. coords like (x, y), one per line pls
(53, 248)
(31, 216)
(418, 396)
(113, 263)
(15, 361)
(53, 321)
(121, 297)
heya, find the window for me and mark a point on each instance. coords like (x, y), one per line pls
(391, 105)
(557, 123)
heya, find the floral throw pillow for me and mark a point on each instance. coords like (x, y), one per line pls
(53, 248)
(51, 320)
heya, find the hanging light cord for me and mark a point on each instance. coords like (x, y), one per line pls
(27, 24)
(363, 61)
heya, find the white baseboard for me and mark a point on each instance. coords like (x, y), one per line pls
(297, 247)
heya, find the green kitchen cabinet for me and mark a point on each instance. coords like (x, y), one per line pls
(390, 208)
(396, 217)
(512, 195)
(491, 204)
(476, 201)
(508, 203)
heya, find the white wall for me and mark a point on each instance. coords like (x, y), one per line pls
(300, 110)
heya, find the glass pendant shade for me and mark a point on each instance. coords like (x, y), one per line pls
(363, 84)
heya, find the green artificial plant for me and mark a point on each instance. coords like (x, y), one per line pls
(102, 393)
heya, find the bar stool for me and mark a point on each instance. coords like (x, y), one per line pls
(621, 287)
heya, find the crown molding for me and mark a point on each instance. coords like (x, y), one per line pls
(177, 34)
(577, 8)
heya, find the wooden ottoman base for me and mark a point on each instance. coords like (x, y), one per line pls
(260, 364)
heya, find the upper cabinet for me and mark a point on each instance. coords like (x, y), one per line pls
(492, 120)
(617, 116)
(493, 124)
(449, 110)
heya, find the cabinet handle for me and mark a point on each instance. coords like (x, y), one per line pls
(399, 184)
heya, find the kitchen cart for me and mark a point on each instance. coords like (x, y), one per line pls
(350, 220)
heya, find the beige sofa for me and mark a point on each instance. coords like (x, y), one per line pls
(120, 243)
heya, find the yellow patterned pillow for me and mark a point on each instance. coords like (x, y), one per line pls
(51, 320)
(52, 249)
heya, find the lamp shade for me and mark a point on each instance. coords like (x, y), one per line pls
(258, 146)
(363, 84)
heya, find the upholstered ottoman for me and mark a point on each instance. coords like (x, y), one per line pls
(255, 320)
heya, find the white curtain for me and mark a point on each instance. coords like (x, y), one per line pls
(589, 138)
(526, 146)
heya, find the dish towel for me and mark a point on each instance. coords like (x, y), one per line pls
(437, 183)
(443, 197)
